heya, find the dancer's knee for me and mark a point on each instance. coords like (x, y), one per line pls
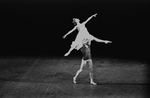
(91, 69)
(73, 44)
(79, 70)
(90, 65)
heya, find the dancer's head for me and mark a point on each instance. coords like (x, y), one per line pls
(76, 21)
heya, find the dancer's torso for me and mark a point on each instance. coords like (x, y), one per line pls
(86, 51)
(81, 26)
(83, 32)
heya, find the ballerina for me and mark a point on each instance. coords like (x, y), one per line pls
(82, 34)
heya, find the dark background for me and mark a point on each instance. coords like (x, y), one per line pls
(36, 27)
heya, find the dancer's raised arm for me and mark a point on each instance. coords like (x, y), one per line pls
(90, 18)
(69, 32)
(99, 40)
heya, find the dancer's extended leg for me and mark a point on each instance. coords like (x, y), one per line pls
(91, 71)
(73, 45)
(79, 71)
(69, 51)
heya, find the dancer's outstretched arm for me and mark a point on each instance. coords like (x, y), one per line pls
(99, 40)
(90, 18)
(69, 32)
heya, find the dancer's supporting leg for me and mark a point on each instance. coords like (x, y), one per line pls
(79, 71)
(91, 71)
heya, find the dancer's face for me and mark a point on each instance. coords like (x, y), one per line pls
(76, 21)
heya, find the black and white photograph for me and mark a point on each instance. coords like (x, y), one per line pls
(74, 48)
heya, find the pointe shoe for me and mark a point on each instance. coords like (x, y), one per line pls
(74, 80)
(93, 83)
(66, 54)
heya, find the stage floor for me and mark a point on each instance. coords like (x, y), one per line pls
(52, 78)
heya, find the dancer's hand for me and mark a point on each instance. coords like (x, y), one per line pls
(106, 42)
(64, 36)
